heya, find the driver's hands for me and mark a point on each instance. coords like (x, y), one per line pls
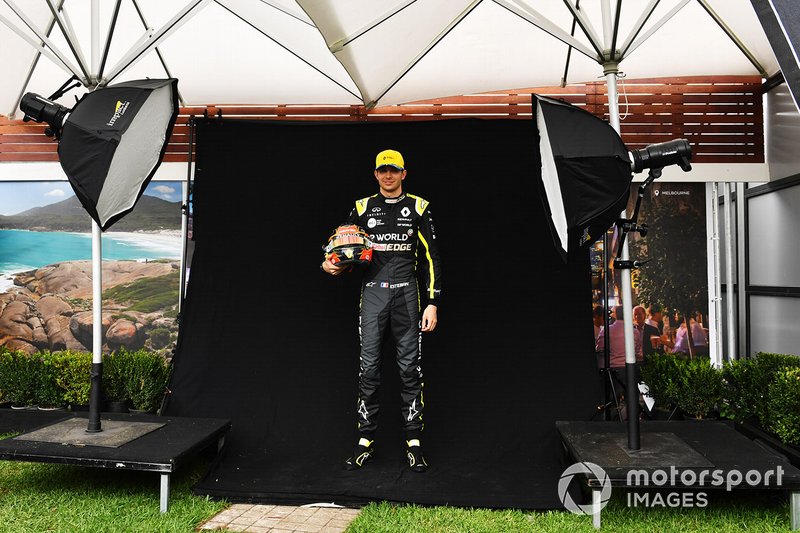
(429, 318)
(332, 269)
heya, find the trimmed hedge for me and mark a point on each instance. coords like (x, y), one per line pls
(765, 388)
(784, 405)
(60, 379)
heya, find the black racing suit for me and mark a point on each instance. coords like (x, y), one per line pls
(402, 233)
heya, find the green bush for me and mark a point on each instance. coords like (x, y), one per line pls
(784, 405)
(661, 373)
(5, 373)
(701, 389)
(19, 378)
(747, 383)
(74, 375)
(115, 366)
(146, 380)
(48, 393)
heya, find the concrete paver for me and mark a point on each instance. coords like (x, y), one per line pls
(252, 518)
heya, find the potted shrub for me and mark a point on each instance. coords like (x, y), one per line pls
(747, 383)
(115, 366)
(700, 389)
(741, 396)
(19, 379)
(49, 396)
(146, 380)
(74, 377)
(660, 372)
(784, 406)
(5, 374)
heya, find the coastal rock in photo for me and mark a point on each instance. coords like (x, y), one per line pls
(14, 321)
(30, 325)
(125, 333)
(81, 325)
(50, 308)
(73, 279)
(39, 333)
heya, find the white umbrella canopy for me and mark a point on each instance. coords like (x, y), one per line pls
(223, 52)
(384, 51)
(404, 50)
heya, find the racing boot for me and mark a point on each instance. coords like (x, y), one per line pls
(416, 460)
(362, 454)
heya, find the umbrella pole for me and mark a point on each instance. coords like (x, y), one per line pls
(97, 330)
(632, 386)
(97, 267)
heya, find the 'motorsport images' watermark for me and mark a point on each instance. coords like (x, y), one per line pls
(672, 478)
(589, 469)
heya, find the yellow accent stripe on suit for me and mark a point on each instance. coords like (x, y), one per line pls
(361, 205)
(419, 203)
(430, 266)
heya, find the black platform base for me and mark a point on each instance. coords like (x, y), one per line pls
(162, 450)
(678, 456)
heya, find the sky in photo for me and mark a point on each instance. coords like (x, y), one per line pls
(19, 196)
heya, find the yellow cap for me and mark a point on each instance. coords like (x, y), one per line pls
(391, 158)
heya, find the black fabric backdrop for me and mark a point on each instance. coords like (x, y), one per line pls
(271, 342)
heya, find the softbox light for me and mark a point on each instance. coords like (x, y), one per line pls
(112, 143)
(586, 173)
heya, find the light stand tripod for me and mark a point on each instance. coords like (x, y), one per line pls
(655, 157)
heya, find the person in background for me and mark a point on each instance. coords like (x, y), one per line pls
(616, 342)
(699, 341)
(639, 316)
(652, 331)
(599, 319)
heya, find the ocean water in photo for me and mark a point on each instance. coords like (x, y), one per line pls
(26, 250)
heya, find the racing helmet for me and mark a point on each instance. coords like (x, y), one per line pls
(349, 245)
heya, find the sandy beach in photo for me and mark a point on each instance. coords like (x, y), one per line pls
(55, 247)
(167, 242)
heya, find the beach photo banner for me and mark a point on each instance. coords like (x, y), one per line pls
(45, 270)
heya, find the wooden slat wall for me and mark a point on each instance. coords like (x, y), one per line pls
(721, 117)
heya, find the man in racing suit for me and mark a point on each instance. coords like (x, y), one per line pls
(400, 227)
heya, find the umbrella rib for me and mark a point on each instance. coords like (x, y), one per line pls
(586, 26)
(53, 51)
(543, 23)
(69, 35)
(643, 18)
(107, 46)
(287, 12)
(453, 23)
(35, 62)
(633, 46)
(295, 54)
(616, 29)
(157, 49)
(569, 49)
(732, 36)
(136, 54)
(344, 41)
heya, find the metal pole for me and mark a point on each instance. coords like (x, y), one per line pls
(715, 319)
(730, 295)
(185, 220)
(610, 69)
(741, 252)
(97, 330)
(97, 271)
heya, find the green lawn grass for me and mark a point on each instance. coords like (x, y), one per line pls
(754, 511)
(56, 498)
(70, 499)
